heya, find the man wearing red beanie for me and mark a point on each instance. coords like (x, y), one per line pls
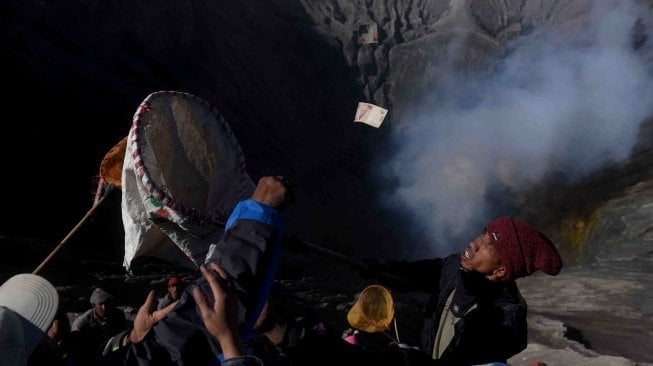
(173, 292)
(476, 314)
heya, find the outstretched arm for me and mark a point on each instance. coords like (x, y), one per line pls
(251, 247)
(406, 276)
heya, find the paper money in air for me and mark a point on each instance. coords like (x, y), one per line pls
(370, 114)
(368, 33)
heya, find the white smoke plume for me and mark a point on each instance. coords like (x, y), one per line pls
(556, 103)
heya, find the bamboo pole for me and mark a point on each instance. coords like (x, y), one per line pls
(107, 189)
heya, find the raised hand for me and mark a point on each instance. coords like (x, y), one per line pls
(221, 317)
(270, 191)
(146, 318)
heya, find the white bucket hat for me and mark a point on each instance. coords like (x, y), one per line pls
(28, 305)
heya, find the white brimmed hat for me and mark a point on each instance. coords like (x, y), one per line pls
(28, 305)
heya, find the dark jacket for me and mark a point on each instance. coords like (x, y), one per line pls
(249, 252)
(113, 323)
(164, 301)
(491, 317)
(89, 333)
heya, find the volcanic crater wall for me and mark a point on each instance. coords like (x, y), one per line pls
(287, 76)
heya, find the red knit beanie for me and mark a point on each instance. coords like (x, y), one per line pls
(174, 280)
(522, 249)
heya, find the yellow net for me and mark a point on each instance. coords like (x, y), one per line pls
(373, 311)
(111, 166)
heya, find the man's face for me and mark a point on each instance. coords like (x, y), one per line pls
(174, 291)
(101, 309)
(481, 256)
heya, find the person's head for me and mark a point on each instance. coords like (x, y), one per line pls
(28, 304)
(175, 287)
(508, 249)
(101, 301)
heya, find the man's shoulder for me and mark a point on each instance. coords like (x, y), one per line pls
(163, 302)
(86, 315)
(452, 258)
(451, 263)
(511, 296)
(117, 312)
(84, 318)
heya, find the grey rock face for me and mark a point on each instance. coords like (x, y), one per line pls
(624, 231)
(405, 27)
(415, 36)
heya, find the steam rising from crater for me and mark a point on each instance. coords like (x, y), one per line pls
(564, 103)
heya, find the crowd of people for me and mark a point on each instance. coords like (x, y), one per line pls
(476, 315)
